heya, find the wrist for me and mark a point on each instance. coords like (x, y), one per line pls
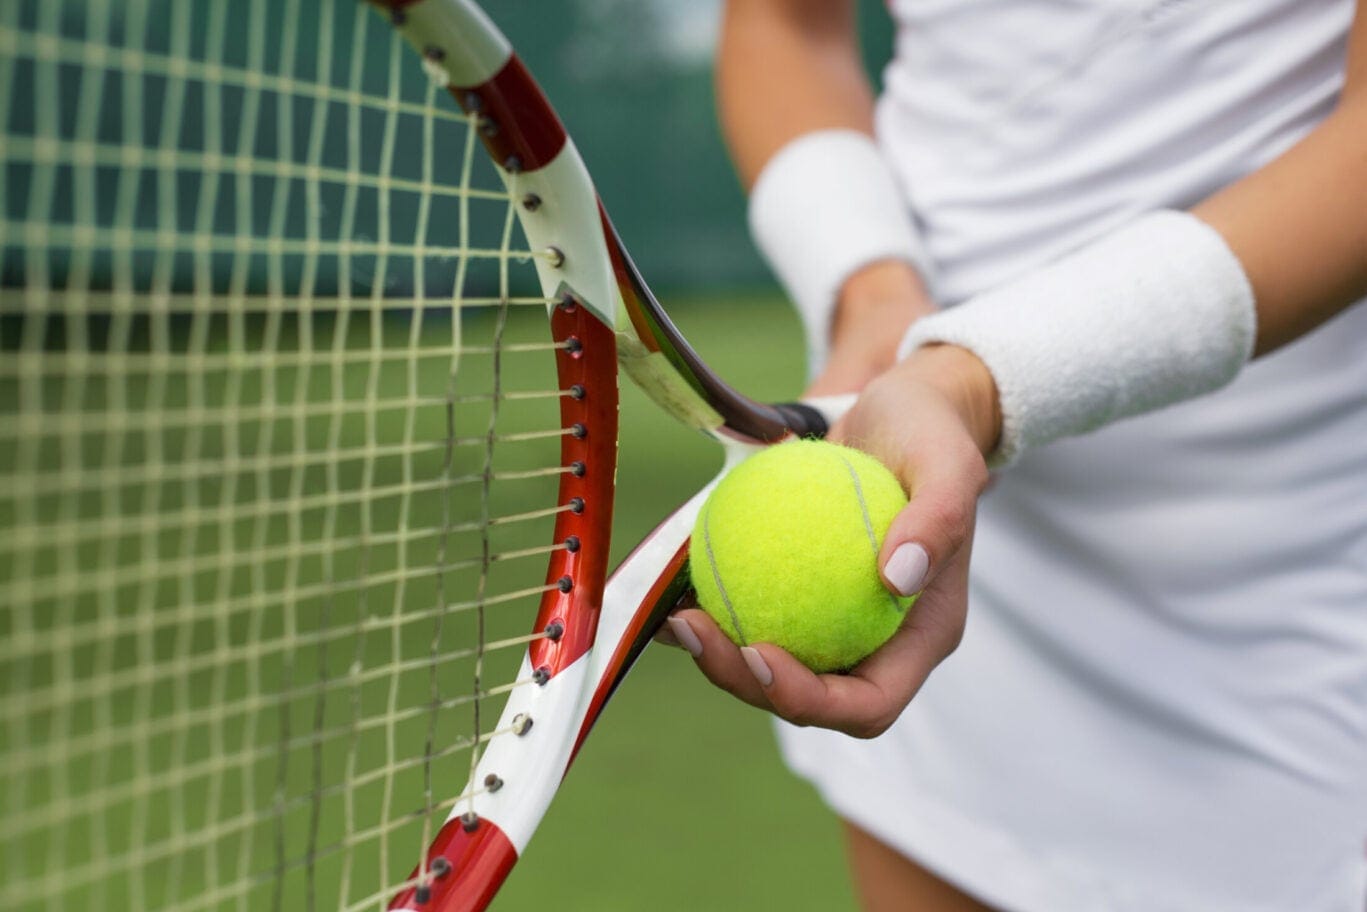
(1157, 312)
(875, 307)
(967, 385)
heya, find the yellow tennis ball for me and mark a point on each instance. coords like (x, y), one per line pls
(785, 551)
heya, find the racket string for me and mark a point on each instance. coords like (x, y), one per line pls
(132, 306)
(169, 670)
(190, 772)
(217, 443)
(88, 424)
(75, 637)
(127, 481)
(125, 240)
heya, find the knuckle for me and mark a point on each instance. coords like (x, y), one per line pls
(976, 471)
(955, 637)
(724, 678)
(801, 716)
(941, 637)
(732, 687)
(873, 721)
(949, 517)
(868, 729)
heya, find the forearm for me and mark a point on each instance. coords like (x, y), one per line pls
(784, 68)
(1299, 227)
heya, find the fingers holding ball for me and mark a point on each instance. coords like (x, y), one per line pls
(785, 551)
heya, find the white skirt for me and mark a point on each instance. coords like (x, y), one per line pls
(1160, 701)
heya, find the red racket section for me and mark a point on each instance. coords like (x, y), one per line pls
(663, 595)
(464, 870)
(588, 371)
(516, 123)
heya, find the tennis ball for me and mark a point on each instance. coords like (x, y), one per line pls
(785, 551)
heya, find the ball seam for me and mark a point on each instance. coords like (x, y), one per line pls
(716, 576)
(868, 520)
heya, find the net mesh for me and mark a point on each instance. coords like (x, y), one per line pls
(278, 455)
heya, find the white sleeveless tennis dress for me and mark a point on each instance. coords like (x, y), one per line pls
(1160, 702)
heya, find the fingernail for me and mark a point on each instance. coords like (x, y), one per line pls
(758, 667)
(907, 567)
(666, 637)
(686, 637)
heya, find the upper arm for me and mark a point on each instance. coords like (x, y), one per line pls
(787, 67)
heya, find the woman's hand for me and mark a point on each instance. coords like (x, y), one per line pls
(876, 306)
(930, 419)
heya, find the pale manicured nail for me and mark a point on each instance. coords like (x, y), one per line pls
(686, 637)
(666, 637)
(758, 667)
(907, 567)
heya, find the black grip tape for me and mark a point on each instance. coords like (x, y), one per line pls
(802, 419)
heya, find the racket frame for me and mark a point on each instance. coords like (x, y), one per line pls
(606, 319)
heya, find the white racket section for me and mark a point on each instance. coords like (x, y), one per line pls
(472, 48)
(461, 47)
(532, 765)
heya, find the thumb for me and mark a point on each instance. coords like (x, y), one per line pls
(935, 524)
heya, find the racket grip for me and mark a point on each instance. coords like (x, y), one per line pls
(814, 417)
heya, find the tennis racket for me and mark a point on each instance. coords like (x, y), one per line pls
(305, 504)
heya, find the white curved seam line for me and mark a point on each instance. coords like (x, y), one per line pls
(716, 577)
(868, 522)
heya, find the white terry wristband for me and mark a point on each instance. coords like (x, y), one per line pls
(825, 205)
(1158, 312)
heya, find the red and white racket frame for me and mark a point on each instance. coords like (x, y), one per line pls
(609, 321)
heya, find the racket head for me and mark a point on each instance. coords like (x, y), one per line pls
(258, 526)
(244, 517)
(607, 316)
